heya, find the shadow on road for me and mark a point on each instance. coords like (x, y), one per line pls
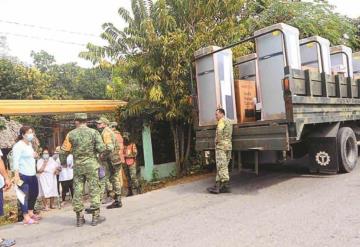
(272, 174)
(247, 183)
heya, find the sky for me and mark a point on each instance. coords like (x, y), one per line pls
(37, 24)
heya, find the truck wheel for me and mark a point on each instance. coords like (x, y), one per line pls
(348, 149)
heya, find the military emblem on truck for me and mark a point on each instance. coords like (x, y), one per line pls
(322, 158)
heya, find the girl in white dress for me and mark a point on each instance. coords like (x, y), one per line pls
(47, 169)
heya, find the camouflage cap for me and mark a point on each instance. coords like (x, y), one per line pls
(113, 124)
(103, 120)
(80, 116)
(126, 135)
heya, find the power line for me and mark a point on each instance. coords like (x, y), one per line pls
(41, 38)
(49, 28)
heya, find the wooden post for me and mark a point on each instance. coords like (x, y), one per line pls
(148, 153)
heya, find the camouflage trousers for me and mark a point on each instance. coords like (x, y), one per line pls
(91, 176)
(111, 182)
(131, 175)
(222, 162)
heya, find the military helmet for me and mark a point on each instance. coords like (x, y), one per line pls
(103, 120)
(80, 116)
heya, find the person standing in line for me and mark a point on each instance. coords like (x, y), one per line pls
(111, 160)
(5, 184)
(120, 140)
(130, 153)
(223, 147)
(66, 178)
(47, 169)
(25, 173)
(86, 145)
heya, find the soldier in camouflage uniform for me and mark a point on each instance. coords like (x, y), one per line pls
(130, 166)
(85, 144)
(111, 160)
(223, 147)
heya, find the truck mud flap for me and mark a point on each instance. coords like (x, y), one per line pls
(323, 155)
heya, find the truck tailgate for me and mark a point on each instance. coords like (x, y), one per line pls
(270, 137)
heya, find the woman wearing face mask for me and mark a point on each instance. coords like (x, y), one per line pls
(25, 173)
(47, 169)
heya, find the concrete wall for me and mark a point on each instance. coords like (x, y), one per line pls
(162, 170)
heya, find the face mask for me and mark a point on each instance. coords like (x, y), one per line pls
(29, 137)
(56, 156)
(46, 156)
(101, 129)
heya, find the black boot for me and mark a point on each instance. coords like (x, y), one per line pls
(224, 187)
(96, 218)
(88, 210)
(130, 192)
(134, 191)
(215, 189)
(116, 204)
(80, 220)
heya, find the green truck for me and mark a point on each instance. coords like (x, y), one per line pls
(304, 111)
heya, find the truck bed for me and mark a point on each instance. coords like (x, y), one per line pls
(311, 98)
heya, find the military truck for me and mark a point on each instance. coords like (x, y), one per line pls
(303, 111)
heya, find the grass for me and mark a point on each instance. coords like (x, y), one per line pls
(10, 213)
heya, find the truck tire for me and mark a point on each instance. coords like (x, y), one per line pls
(348, 149)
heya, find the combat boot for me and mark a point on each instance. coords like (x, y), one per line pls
(224, 187)
(116, 204)
(130, 192)
(88, 210)
(96, 218)
(80, 220)
(215, 189)
(139, 190)
(134, 191)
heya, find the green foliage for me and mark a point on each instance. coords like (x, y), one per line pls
(155, 175)
(310, 18)
(20, 82)
(47, 80)
(42, 60)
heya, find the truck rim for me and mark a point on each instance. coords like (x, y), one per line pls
(350, 153)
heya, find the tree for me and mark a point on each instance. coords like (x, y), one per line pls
(42, 60)
(157, 45)
(20, 82)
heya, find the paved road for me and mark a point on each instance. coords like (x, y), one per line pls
(284, 206)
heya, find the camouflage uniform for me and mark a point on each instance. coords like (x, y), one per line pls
(84, 143)
(111, 160)
(121, 150)
(223, 149)
(130, 153)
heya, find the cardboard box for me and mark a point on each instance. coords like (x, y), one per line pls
(311, 69)
(245, 92)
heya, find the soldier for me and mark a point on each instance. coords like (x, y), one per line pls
(85, 144)
(120, 140)
(130, 153)
(111, 160)
(223, 146)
